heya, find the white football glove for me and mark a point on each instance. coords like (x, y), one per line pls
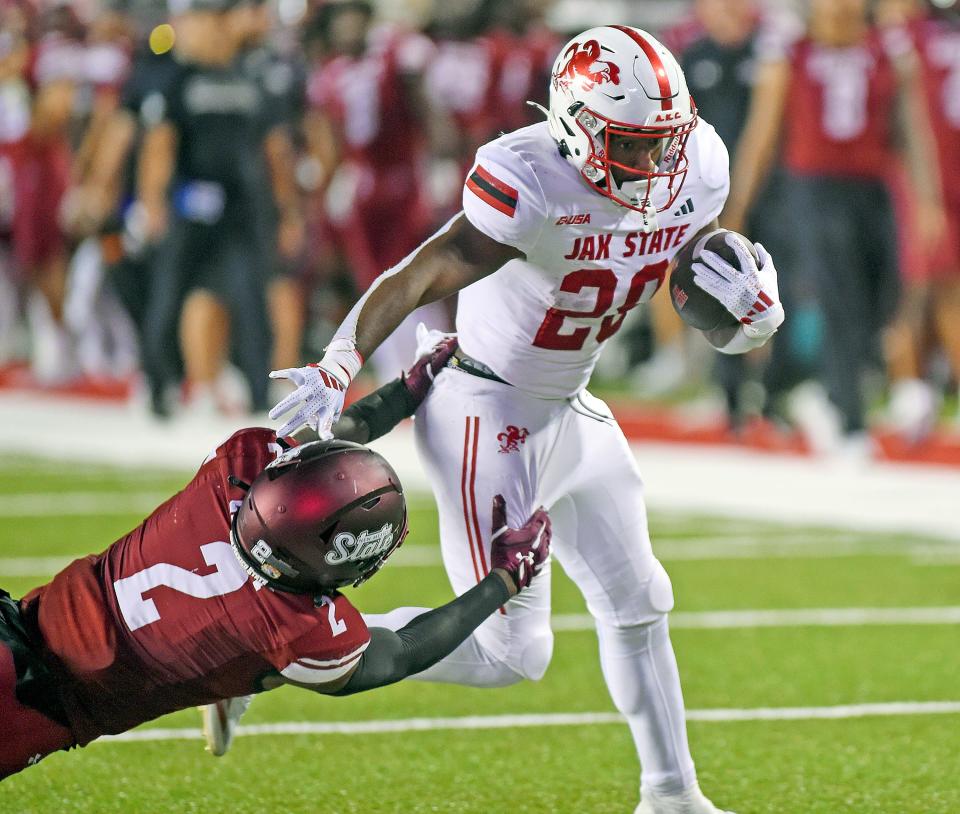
(320, 389)
(750, 292)
(428, 339)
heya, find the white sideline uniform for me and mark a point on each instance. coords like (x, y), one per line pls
(540, 324)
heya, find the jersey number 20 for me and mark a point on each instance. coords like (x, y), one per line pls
(550, 335)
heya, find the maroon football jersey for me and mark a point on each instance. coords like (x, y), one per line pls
(367, 100)
(166, 618)
(381, 210)
(839, 110)
(484, 83)
(938, 42)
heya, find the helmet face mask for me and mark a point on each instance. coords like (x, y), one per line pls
(614, 83)
(322, 516)
(667, 163)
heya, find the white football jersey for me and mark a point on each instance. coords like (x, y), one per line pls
(540, 323)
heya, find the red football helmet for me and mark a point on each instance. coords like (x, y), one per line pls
(323, 515)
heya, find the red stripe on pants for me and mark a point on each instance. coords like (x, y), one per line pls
(463, 494)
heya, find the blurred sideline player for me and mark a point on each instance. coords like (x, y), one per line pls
(280, 216)
(849, 106)
(930, 312)
(367, 96)
(200, 204)
(720, 65)
(104, 336)
(102, 199)
(173, 615)
(14, 125)
(488, 60)
(567, 226)
(38, 169)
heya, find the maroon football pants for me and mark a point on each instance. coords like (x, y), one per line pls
(28, 735)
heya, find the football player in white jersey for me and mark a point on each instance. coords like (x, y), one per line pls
(566, 226)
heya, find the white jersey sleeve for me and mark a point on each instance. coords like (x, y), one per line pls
(503, 198)
(713, 162)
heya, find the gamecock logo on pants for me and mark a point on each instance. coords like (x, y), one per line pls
(511, 438)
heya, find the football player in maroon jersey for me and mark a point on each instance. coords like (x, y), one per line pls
(231, 587)
(929, 318)
(369, 124)
(847, 102)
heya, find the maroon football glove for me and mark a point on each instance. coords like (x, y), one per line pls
(520, 552)
(420, 377)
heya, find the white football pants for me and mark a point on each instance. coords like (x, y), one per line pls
(478, 438)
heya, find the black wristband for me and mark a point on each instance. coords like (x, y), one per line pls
(383, 409)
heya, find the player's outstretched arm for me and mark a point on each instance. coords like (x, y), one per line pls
(375, 415)
(517, 555)
(456, 256)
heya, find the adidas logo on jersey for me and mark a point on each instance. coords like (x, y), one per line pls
(686, 208)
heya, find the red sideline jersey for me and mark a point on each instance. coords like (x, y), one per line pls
(380, 208)
(938, 43)
(367, 100)
(37, 173)
(484, 83)
(838, 120)
(166, 618)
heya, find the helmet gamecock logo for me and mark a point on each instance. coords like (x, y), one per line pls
(584, 62)
(511, 438)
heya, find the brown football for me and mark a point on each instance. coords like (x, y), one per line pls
(694, 305)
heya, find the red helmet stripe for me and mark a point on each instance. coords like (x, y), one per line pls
(666, 93)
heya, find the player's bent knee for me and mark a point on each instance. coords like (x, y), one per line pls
(536, 656)
(644, 604)
(660, 590)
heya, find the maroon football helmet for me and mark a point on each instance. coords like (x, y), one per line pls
(323, 515)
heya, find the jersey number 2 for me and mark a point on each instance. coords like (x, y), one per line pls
(550, 335)
(138, 611)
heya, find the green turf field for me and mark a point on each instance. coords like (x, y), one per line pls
(794, 663)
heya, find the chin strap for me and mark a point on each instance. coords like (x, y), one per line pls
(649, 211)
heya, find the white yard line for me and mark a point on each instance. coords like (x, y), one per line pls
(33, 566)
(412, 557)
(794, 617)
(419, 556)
(556, 719)
(63, 504)
(725, 548)
(425, 556)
